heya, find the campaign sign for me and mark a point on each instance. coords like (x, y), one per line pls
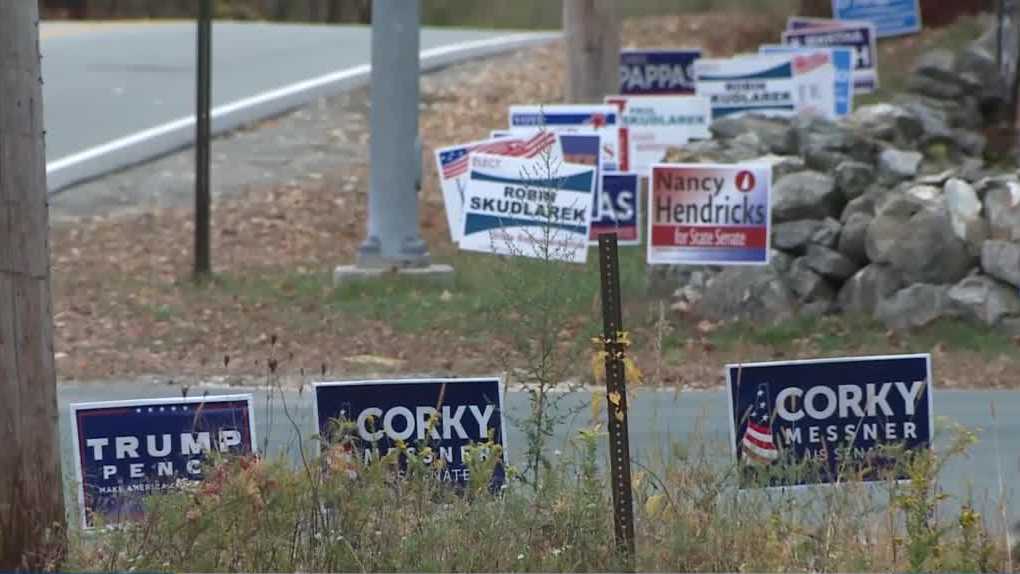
(796, 423)
(657, 72)
(452, 167)
(822, 84)
(891, 17)
(709, 214)
(765, 85)
(624, 137)
(125, 450)
(656, 123)
(513, 207)
(859, 36)
(617, 209)
(602, 119)
(448, 416)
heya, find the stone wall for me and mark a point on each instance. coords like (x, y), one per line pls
(892, 212)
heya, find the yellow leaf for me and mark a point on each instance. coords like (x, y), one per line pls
(620, 416)
(655, 504)
(631, 371)
(614, 397)
(598, 366)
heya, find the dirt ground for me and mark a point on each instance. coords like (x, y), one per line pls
(125, 305)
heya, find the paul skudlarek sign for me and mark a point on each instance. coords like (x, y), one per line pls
(658, 72)
(709, 214)
(757, 84)
(449, 417)
(125, 450)
(797, 423)
(601, 119)
(525, 207)
(656, 123)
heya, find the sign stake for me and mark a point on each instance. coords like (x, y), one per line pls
(616, 393)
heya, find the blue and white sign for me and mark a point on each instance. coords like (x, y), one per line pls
(818, 78)
(617, 210)
(657, 72)
(891, 17)
(125, 450)
(830, 420)
(602, 119)
(447, 416)
(860, 36)
(757, 84)
(515, 207)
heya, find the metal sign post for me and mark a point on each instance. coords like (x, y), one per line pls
(203, 259)
(616, 393)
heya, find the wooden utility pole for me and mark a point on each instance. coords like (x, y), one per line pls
(592, 34)
(815, 8)
(31, 486)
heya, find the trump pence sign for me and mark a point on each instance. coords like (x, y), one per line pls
(125, 450)
(797, 423)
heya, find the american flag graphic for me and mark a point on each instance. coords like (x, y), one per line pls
(455, 162)
(757, 445)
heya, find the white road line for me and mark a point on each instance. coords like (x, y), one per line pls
(269, 96)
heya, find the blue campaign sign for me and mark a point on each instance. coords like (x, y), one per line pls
(448, 416)
(616, 210)
(657, 72)
(860, 36)
(891, 17)
(125, 450)
(830, 420)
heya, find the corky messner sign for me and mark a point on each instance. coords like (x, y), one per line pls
(524, 207)
(823, 421)
(448, 416)
(125, 450)
(709, 214)
(759, 84)
(658, 72)
(601, 119)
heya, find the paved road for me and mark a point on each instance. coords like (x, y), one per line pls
(119, 94)
(658, 419)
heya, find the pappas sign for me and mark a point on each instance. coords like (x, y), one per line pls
(709, 214)
(657, 72)
(824, 421)
(447, 416)
(125, 450)
(617, 208)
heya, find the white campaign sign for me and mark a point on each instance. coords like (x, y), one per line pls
(656, 123)
(601, 119)
(512, 208)
(759, 84)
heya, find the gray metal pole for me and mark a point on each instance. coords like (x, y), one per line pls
(393, 238)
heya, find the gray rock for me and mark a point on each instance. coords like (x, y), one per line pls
(1001, 259)
(808, 285)
(1002, 207)
(888, 122)
(853, 178)
(704, 151)
(827, 234)
(865, 204)
(918, 242)
(895, 165)
(970, 142)
(805, 195)
(862, 292)
(965, 214)
(780, 261)
(934, 120)
(757, 294)
(782, 165)
(853, 238)
(935, 88)
(985, 300)
(776, 133)
(936, 179)
(937, 64)
(915, 306)
(829, 263)
(794, 236)
(824, 160)
(925, 194)
(971, 169)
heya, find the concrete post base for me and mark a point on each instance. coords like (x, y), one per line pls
(437, 272)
